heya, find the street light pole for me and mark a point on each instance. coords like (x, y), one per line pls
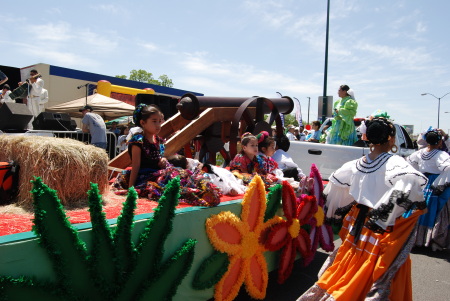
(439, 103)
(309, 100)
(325, 75)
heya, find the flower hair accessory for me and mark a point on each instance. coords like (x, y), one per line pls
(247, 135)
(261, 136)
(137, 113)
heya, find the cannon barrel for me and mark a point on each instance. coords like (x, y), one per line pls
(191, 105)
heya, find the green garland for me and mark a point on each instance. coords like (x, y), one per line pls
(94, 276)
(124, 246)
(211, 271)
(273, 201)
(102, 259)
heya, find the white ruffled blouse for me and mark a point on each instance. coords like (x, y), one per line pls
(388, 185)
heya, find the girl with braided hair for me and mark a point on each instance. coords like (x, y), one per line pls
(435, 164)
(266, 149)
(146, 149)
(151, 172)
(248, 161)
(367, 197)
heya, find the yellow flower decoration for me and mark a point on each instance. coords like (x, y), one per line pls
(241, 239)
(320, 216)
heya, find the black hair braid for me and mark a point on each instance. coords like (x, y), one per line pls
(379, 130)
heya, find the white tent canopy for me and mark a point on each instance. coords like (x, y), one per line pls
(107, 107)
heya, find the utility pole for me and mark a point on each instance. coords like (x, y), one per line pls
(325, 100)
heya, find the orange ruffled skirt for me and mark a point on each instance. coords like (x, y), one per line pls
(376, 268)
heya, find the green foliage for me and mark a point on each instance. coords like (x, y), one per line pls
(102, 275)
(147, 77)
(290, 119)
(273, 201)
(211, 271)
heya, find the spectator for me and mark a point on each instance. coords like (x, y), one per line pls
(114, 129)
(296, 133)
(315, 136)
(95, 125)
(5, 94)
(285, 162)
(290, 133)
(122, 140)
(301, 133)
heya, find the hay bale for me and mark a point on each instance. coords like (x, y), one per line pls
(64, 164)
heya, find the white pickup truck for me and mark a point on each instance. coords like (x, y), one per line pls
(329, 157)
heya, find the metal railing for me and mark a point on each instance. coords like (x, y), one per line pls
(111, 138)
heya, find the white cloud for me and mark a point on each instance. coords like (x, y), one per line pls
(408, 58)
(272, 13)
(99, 42)
(421, 27)
(108, 8)
(150, 46)
(226, 77)
(51, 31)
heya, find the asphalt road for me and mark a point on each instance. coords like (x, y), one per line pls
(430, 276)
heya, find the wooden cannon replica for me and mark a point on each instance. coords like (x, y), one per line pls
(234, 115)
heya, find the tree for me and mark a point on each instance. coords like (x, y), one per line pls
(290, 119)
(147, 77)
(166, 81)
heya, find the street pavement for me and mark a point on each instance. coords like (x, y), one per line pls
(430, 277)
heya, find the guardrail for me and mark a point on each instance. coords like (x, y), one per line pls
(111, 138)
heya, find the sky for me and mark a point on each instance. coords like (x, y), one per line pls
(389, 52)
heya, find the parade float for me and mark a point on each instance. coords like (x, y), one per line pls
(173, 251)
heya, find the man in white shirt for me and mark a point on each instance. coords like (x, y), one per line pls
(5, 94)
(35, 86)
(290, 133)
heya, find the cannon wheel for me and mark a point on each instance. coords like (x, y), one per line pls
(255, 125)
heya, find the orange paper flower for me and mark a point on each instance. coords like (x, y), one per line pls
(241, 239)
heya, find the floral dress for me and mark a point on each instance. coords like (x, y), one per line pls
(196, 188)
(245, 169)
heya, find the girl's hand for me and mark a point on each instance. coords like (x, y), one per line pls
(163, 163)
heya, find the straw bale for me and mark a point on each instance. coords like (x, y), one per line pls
(64, 164)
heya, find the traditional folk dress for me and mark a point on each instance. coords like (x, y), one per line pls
(245, 169)
(196, 188)
(433, 226)
(373, 261)
(343, 130)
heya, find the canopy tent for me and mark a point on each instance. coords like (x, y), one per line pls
(107, 107)
(125, 120)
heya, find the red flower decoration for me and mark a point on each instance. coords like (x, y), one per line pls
(288, 234)
(321, 233)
